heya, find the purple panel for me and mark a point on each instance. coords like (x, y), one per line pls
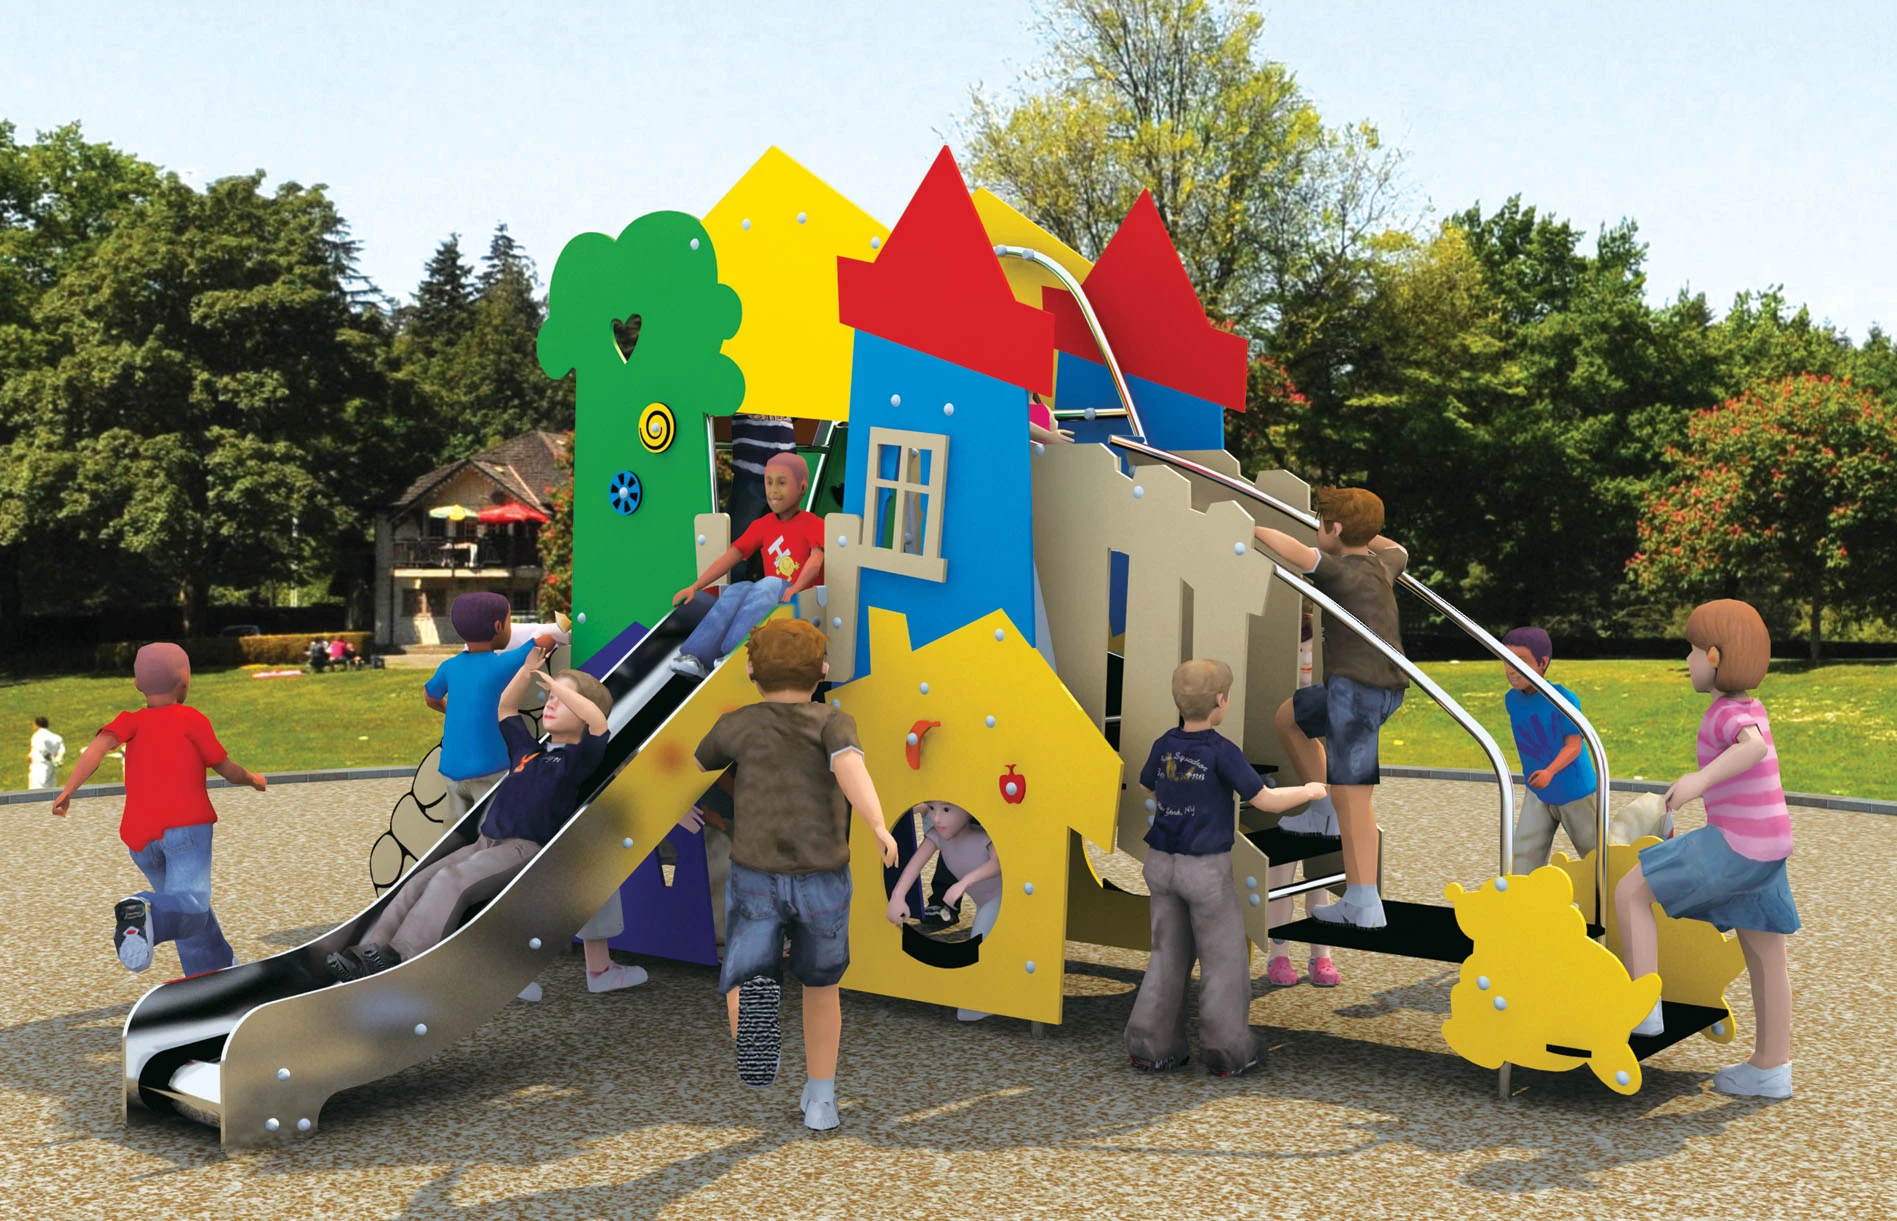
(670, 921)
(601, 663)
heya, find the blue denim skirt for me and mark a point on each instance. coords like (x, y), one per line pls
(1697, 876)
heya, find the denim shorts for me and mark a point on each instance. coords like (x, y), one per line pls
(1347, 714)
(760, 908)
(1697, 876)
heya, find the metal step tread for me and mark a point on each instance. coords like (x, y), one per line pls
(1682, 1022)
(1284, 848)
(1415, 930)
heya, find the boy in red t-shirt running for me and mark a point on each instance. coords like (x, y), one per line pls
(792, 542)
(168, 815)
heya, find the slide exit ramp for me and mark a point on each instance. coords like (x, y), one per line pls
(257, 1049)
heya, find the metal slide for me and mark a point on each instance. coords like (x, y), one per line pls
(256, 1049)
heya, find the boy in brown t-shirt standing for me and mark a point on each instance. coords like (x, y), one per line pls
(1357, 567)
(800, 768)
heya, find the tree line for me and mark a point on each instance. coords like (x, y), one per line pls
(201, 395)
(1553, 448)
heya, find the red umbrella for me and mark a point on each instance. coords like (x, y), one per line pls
(511, 511)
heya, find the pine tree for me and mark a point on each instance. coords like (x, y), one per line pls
(444, 301)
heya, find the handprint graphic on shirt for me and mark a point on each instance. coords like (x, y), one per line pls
(1540, 741)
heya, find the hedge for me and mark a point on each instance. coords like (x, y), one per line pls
(230, 650)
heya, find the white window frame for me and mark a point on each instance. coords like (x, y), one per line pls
(929, 565)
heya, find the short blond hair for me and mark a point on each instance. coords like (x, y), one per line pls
(1197, 685)
(587, 688)
(1739, 633)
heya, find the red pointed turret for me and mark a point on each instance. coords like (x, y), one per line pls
(938, 288)
(1151, 315)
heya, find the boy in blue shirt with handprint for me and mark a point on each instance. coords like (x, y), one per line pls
(1561, 781)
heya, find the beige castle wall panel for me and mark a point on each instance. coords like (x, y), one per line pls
(842, 544)
(1273, 674)
(1085, 509)
(712, 534)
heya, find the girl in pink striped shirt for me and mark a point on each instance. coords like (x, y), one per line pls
(1731, 872)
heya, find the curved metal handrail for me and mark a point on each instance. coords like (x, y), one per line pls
(1470, 725)
(1475, 631)
(1093, 322)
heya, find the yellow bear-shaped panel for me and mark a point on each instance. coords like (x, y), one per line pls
(1537, 991)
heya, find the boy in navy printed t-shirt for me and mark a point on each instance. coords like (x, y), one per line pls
(1194, 773)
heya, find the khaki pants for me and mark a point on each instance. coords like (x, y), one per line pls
(1195, 914)
(1534, 829)
(463, 794)
(718, 868)
(433, 899)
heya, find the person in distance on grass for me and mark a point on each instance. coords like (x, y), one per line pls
(168, 816)
(1193, 774)
(1730, 872)
(539, 793)
(1555, 764)
(799, 771)
(1356, 567)
(44, 753)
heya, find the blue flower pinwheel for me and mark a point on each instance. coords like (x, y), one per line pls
(625, 493)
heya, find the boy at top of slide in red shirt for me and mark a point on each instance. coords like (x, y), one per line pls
(168, 815)
(792, 542)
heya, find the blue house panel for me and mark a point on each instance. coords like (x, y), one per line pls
(1174, 420)
(984, 497)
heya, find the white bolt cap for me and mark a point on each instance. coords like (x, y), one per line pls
(283, 1074)
(1501, 1002)
(694, 243)
(1139, 493)
(948, 409)
(1030, 967)
(271, 1125)
(1027, 888)
(925, 688)
(991, 722)
(895, 400)
(912, 739)
(533, 943)
(626, 842)
(1252, 899)
(421, 1028)
(302, 1125)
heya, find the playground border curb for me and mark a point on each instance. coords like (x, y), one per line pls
(1819, 801)
(24, 796)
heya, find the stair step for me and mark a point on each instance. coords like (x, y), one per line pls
(1682, 1022)
(1284, 848)
(1415, 930)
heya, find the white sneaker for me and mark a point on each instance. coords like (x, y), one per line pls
(1319, 818)
(1654, 1023)
(530, 993)
(615, 977)
(970, 1015)
(1361, 913)
(821, 1115)
(1746, 1081)
(689, 666)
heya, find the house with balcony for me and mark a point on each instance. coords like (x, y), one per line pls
(469, 525)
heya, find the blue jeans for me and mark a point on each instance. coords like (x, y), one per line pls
(738, 609)
(1347, 715)
(178, 866)
(814, 908)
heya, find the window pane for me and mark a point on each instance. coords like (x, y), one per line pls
(916, 531)
(889, 462)
(885, 517)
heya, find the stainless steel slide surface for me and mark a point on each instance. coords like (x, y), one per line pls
(258, 1048)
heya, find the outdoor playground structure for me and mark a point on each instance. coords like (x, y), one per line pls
(1003, 621)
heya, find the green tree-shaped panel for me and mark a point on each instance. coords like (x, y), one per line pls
(661, 270)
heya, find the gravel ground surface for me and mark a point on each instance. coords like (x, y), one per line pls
(627, 1104)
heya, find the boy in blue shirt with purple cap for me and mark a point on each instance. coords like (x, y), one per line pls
(1560, 775)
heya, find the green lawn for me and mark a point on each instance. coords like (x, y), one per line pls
(362, 718)
(1836, 727)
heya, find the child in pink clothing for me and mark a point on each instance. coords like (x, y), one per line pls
(1731, 872)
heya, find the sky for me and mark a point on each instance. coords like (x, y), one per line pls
(1752, 143)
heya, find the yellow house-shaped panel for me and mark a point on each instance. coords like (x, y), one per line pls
(778, 233)
(1004, 718)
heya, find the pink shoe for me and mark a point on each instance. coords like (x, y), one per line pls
(1324, 973)
(1279, 971)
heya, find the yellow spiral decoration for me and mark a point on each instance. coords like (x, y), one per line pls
(656, 427)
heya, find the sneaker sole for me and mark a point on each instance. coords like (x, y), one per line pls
(132, 920)
(760, 1038)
